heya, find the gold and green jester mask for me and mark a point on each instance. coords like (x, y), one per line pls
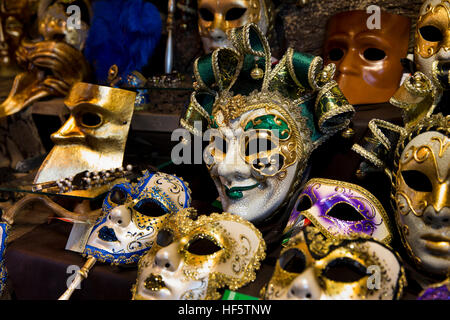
(264, 121)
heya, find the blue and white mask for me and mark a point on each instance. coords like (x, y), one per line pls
(4, 229)
(133, 214)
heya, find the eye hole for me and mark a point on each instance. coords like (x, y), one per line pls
(374, 54)
(150, 208)
(118, 196)
(235, 13)
(344, 211)
(336, 54)
(258, 145)
(304, 204)
(206, 15)
(431, 33)
(417, 181)
(203, 247)
(293, 261)
(90, 119)
(344, 270)
(164, 238)
(220, 144)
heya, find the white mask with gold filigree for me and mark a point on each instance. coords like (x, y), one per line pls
(326, 269)
(422, 196)
(194, 258)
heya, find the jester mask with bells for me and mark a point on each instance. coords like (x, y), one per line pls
(192, 259)
(94, 136)
(340, 210)
(4, 230)
(312, 267)
(132, 215)
(53, 64)
(264, 122)
(417, 160)
(216, 17)
(367, 60)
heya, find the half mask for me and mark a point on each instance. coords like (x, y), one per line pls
(216, 17)
(312, 267)
(340, 210)
(264, 122)
(132, 216)
(192, 259)
(367, 60)
(94, 136)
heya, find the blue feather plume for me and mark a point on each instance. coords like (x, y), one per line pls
(122, 32)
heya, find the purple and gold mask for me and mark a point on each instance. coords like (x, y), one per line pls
(340, 210)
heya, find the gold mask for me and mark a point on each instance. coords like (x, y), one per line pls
(432, 37)
(94, 136)
(340, 270)
(53, 65)
(422, 188)
(193, 258)
(13, 15)
(215, 17)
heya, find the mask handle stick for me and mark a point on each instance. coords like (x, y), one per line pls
(169, 45)
(81, 275)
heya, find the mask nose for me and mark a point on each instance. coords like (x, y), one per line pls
(218, 35)
(233, 167)
(121, 216)
(437, 219)
(305, 287)
(349, 64)
(168, 257)
(70, 132)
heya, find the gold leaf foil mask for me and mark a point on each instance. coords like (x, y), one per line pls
(194, 258)
(94, 136)
(215, 17)
(340, 272)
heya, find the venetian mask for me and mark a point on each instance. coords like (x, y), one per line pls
(432, 39)
(421, 193)
(53, 20)
(311, 267)
(215, 17)
(255, 158)
(261, 120)
(367, 60)
(132, 216)
(192, 259)
(4, 230)
(13, 15)
(340, 210)
(54, 64)
(93, 137)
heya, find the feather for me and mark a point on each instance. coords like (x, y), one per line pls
(122, 32)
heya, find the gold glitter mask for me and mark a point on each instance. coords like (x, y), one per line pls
(194, 258)
(94, 136)
(346, 270)
(216, 17)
